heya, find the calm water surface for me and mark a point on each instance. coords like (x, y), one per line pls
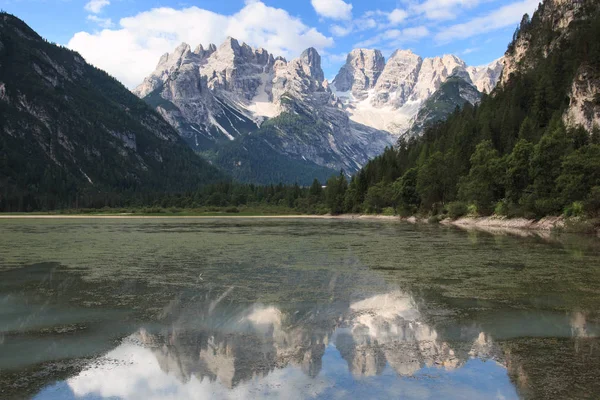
(294, 309)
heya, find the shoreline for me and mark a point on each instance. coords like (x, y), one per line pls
(524, 227)
(224, 216)
(492, 224)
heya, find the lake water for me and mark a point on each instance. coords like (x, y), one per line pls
(294, 309)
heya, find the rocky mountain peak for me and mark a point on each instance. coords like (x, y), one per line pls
(360, 72)
(398, 78)
(205, 53)
(461, 73)
(433, 72)
(486, 77)
(312, 60)
(230, 44)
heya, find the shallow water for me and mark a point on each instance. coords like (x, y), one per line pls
(246, 308)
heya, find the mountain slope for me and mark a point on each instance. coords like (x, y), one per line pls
(69, 132)
(452, 94)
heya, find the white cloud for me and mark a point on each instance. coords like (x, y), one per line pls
(341, 31)
(397, 16)
(102, 22)
(444, 9)
(96, 6)
(374, 19)
(470, 50)
(334, 9)
(131, 52)
(396, 37)
(502, 17)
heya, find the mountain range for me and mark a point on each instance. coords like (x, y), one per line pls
(264, 119)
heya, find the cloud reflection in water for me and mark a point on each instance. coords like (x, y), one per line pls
(378, 347)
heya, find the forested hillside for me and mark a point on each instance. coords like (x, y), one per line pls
(518, 153)
(277, 152)
(71, 135)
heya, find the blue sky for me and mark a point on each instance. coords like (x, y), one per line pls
(127, 37)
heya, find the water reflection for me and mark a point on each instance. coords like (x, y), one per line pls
(295, 310)
(216, 350)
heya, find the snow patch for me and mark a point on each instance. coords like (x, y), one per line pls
(260, 104)
(223, 130)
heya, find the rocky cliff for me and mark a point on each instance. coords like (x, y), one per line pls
(539, 40)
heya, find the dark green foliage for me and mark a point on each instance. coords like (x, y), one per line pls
(406, 194)
(457, 209)
(336, 192)
(518, 177)
(580, 173)
(484, 183)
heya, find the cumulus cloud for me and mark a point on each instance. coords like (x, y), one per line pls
(334, 9)
(96, 6)
(397, 16)
(508, 15)
(131, 51)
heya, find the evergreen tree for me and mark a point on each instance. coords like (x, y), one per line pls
(483, 186)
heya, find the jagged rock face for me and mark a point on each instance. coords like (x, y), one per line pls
(170, 64)
(238, 69)
(433, 72)
(300, 78)
(398, 79)
(360, 73)
(486, 77)
(531, 49)
(556, 13)
(584, 109)
(220, 94)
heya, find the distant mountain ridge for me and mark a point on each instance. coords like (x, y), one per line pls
(388, 95)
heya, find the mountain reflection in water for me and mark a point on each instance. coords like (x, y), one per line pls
(379, 345)
(288, 309)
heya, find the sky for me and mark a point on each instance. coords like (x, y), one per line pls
(126, 38)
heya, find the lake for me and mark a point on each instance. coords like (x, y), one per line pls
(294, 309)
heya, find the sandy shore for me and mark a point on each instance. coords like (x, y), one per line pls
(545, 224)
